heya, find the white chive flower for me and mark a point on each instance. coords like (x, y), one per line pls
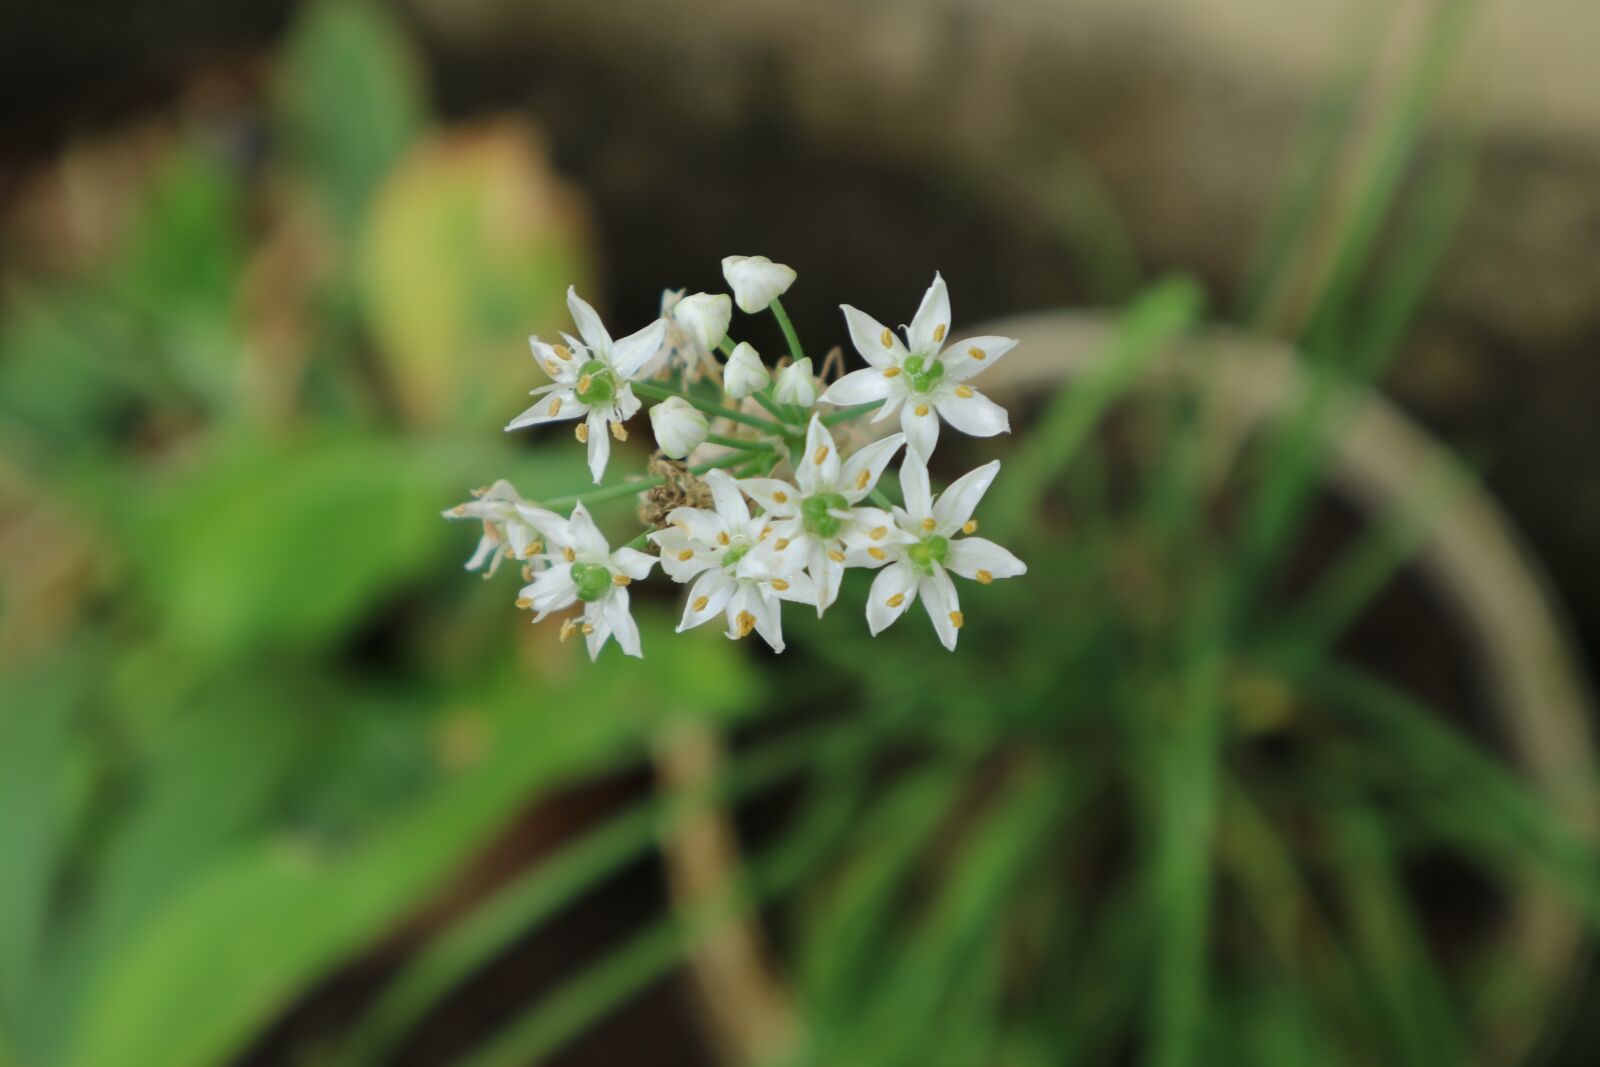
(931, 550)
(582, 567)
(711, 548)
(505, 531)
(745, 374)
(590, 380)
(679, 426)
(705, 317)
(922, 378)
(796, 384)
(756, 281)
(815, 521)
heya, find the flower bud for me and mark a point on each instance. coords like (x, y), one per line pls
(756, 281)
(796, 385)
(745, 373)
(679, 426)
(704, 316)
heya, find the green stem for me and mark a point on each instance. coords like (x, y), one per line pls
(613, 492)
(880, 498)
(661, 392)
(726, 345)
(741, 442)
(764, 398)
(846, 414)
(776, 307)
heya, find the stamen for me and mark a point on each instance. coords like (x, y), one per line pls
(929, 523)
(821, 456)
(619, 431)
(879, 533)
(569, 555)
(686, 555)
(781, 543)
(620, 579)
(890, 372)
(877, 553)
(555, 405)
(887, 338)
(835, 555)
(964, 391)
(583, 383)
(722, 538)
(581, 431)
(970, 526)
(745, 622)
(524, 602)
(563, 351)
(551, 369)
(533, 549)
(977, 353)
(956, 619)
(700, 603)
(862, 479)
(762, 536)
(568, 628)
(780, 585)
(587, 629)
(459, 509)
(984, 577)
(780, 497)
(922, 409)
(938, 332)
(896, 600)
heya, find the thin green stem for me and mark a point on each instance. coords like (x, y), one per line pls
(614, 492)
(741, 442)
(662, 392)
(846, 414)
(764, 398)
(776, 307)
(880, 498)
(726, 345)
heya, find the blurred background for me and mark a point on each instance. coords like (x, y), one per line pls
(1280, 754)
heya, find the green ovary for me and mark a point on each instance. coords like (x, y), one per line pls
(592, 580)
(596, 383)
(814, 514)
(928, 553)
(923, 373)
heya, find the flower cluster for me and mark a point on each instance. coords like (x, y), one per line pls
(793, 490)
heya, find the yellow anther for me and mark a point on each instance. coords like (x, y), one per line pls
(963, 391)
(938, 332)
(569, 555)
(780, 497)
(781, 543)
(568, 628)
(745, 623)
(779, 584)
(619, 431)
(877, 553)
(583, 384)
(977, 353)
(956, 619)
(887, 338)
(551, 369)
(821, 455)
(562, 351)
(890, 372)
(620, 579)
(970, 526)
(587, 629)
(581, 431)
(929, 523)
(896, 600)
(686, 555)
(879, 533)
(984, 577)
(835, 555)
(765, 530)
(862, 479)
(700, 603)
(722, 538)
(459, 509)
(555, 405)
(533, 549)
(524, 602)
(922, 409)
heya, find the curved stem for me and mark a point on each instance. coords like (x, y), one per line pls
(662, 392)
(741, 442)
(776, 307)
(846, 414)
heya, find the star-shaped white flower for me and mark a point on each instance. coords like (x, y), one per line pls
(931, 549)
(582, 567)
(921, 378)
(712, 550)
(815, 520)
(505, 531)
(590, 380)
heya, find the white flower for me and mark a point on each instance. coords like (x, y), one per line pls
(590, 380)
(505, 531)
(712, 549)
(815, 522)
(705, 316)
(679, 426)
(923, 379)
(931, 549)
(756, 281)
(744, 373)
(582, 567)
(796, 384)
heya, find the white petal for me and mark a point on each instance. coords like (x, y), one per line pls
(891, 405)
(859, 387)
(703, 527)
(914, 487)
(969, 555)
(551, 589)
(705, 316)
(763, 608)
(826, 573)
(599, 629)
(869, 335)
(777, 497)
(623, 628)
(818, 469)
(716, 588)
(922, 431)
(599, 445)
(957, 503)
(727, 499)
(799, 589)
(932, 314)
(567, 406)
(632, 562)
(634, 351)
(564, 371)
(679, 427)
(796, 384)
(585, 537)
(589, 324)
(943, 606)
(744, 373)
(966, 358)
(673, 543)
(756, 281)
(548, 523)
(860, 473)
(895, 580)
(973, 414)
